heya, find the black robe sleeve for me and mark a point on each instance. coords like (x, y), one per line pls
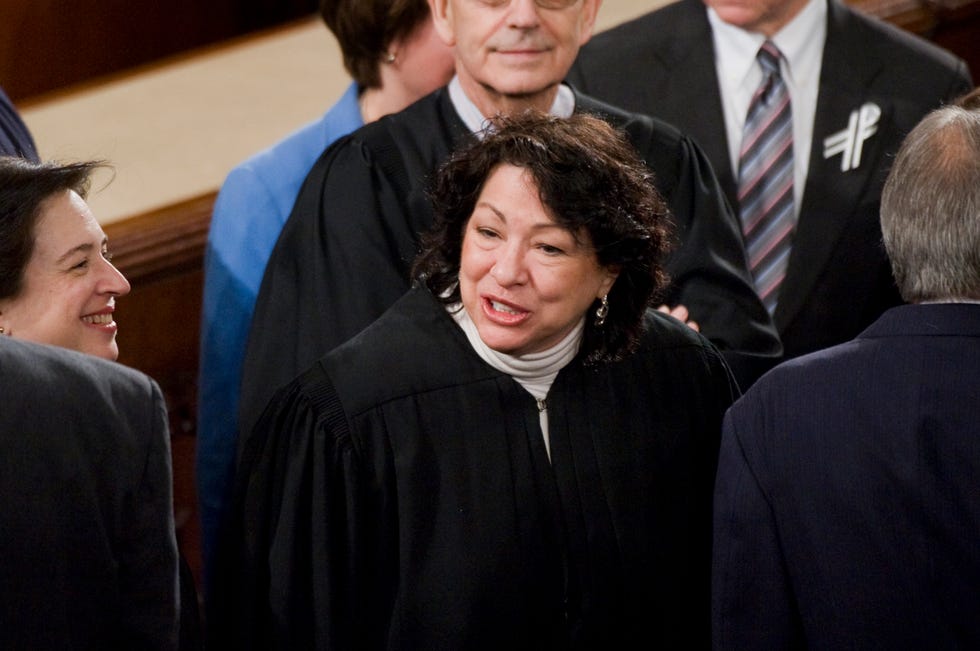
(342, 259)
(345, 253)
(707, 265)
(308, 534)
(710, 272)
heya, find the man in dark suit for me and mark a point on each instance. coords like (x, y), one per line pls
(847, 502)
(856, 85)
(88, 557)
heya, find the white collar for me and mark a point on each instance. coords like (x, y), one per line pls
(800, 41)
(563, 106)
(534, 371)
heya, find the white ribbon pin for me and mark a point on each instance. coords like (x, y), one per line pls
(862, 124)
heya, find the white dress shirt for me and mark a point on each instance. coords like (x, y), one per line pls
(563, 106)
(739, 74)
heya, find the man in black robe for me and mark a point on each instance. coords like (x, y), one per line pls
(344, 254)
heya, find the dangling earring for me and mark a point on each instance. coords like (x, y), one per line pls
(1, 330)
(602, 311)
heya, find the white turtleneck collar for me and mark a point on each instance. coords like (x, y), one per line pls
(535, 371)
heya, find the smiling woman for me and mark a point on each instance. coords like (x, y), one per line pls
(57, 284)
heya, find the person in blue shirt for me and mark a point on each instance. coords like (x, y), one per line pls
(391, 50)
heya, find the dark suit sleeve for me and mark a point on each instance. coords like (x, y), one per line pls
(342, 259)
(708, 269)
(148, 558)
(752, 601)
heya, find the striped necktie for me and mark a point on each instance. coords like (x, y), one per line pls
(765, 179)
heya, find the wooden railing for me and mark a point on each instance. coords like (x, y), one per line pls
(161, 253)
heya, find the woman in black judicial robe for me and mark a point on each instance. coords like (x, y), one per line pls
(518, 454)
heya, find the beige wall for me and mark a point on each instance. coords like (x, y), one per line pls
(614, 12)
(173, 131)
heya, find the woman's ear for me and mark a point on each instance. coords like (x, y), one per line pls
(610, 274)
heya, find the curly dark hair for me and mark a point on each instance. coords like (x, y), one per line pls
(24, 187)
(592, 182)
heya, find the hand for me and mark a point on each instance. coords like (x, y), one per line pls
(681, 314)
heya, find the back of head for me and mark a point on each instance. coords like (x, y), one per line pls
(366, 28)
(24, 187)
(930, 209)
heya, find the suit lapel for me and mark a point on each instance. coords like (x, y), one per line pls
(695, 93)
(845, 77)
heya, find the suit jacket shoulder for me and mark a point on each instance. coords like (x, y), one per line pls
(33, 368)
(627, 48)
(644, 51)
(98, 568)
(910, 56)
(632, 64)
